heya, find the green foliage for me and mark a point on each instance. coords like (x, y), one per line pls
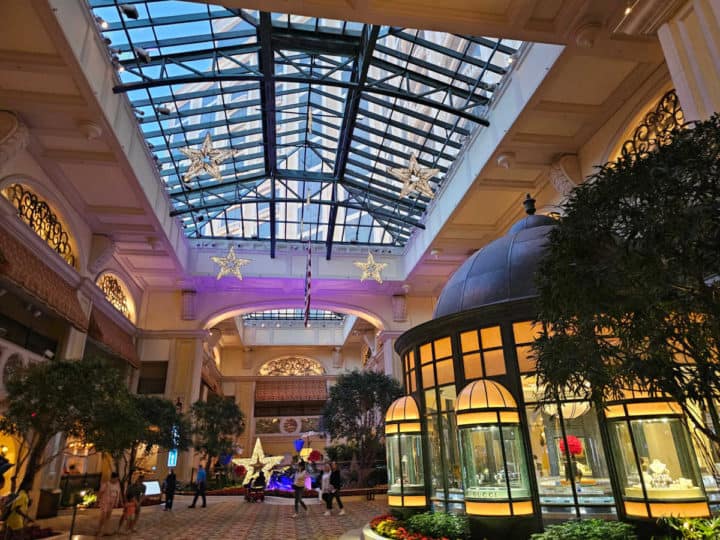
(696, 528)
(439, 525)
(340, 452)
(356, 410)
(58, 396)
(629, 284)
(216, 423)
(128, 421)
(590, 529)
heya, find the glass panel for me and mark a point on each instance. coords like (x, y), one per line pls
(485, 472)
(666, 458)
(491, 337)
(558, 465)
(437, 480)
(469, 341)
(526, 360)
(430, 401)
(443, 348)
(447, 397)
(452, 456)
(668, 467)
(413, 476)
(526, 331)
(413, 381)
(473, 366)
(494, 362)
(445, 372)
(428, 376)
(426, 354)
(393, 464)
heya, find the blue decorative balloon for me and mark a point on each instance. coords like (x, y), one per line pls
(299, 443)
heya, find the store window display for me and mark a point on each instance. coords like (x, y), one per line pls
(494, 464)
(656, 464)
(406, 479)
(568, 458)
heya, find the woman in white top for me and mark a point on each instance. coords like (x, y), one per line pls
(327, 488)
(299, 487)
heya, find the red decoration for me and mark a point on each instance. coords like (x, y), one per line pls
(314, 456)
(240, 470)
(574, 445)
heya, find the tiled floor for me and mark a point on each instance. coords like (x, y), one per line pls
(232, 517)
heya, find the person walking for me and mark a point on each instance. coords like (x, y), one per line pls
(109, 496)
(134, 496)
(200, 485)
(299, 488)
(327, 489)
(170, 486)
(336, 483)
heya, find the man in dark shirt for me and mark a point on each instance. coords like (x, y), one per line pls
(169, 487)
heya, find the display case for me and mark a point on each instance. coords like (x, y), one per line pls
(492, 452)
(406, 478)
(656, 466)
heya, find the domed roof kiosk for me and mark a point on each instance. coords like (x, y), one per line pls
(523, 460)
(481, 331)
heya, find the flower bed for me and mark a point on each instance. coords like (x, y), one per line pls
(426, 526)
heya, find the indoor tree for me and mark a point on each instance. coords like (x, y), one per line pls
(629, 294)
(135, 425)
(45, 399)
(355, 411)
(216, 423)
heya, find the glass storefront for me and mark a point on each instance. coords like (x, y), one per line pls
(654, 455)
(405, 467)
(494, 463)
(570, 466)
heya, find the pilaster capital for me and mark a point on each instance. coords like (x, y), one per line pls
(14, 136)
(565, 174)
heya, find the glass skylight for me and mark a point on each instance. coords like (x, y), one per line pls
(317, 109)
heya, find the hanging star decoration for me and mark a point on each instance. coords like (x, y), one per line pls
(415, 178)
(230, 264)
(370, 269)
(206, 159)
(258, 461)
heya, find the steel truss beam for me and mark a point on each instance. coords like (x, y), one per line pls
(352, 106)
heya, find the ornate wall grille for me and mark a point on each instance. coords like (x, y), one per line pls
(112, 290)
(656, 129)
(292, 366)
(40, 217)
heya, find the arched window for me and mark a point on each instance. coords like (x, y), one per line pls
(292, 366)
(42, 219)
(116, 292)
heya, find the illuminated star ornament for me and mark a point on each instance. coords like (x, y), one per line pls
(206, 159)
(415, 178)
(258, 461)
(230, 264)
(370, 269)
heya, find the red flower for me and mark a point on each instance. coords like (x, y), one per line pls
(314, 456)
(574, 445)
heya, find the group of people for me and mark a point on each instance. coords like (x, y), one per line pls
(110, 496)
(330, 484)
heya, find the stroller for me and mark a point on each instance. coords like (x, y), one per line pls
(255, 490)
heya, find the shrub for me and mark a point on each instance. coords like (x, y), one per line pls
(426, 526)
(439, 525)
(591, 529)
(696, 528)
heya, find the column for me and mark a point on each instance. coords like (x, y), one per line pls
(691, 45)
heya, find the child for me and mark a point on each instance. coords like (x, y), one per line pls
(128, 515)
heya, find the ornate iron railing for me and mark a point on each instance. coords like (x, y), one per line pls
(656, 129)
(114, 294)
(40, 217)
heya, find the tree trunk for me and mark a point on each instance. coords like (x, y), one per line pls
(34, 460)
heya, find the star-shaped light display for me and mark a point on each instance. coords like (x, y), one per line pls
(370, 269)
(230, 264)
(415, 178)
(206, 159)
(258, 461)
